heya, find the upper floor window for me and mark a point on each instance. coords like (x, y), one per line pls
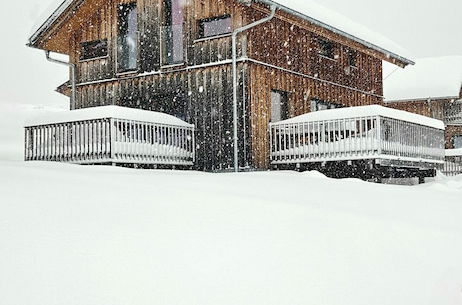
(93, 49)
(172, 32)
(317, 105)
(216, 26)
(326, 48)
(127, 54)
(352, 58)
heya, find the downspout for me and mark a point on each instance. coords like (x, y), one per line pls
(235, 114)
(73, 76)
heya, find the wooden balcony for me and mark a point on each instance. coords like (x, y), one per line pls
(390, 137)
(110, 135)
(453, 162)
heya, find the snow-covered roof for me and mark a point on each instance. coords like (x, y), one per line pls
(305, 9)
(365, 111)
(453, 152)
(338, 23)
(49, 16)
(429, 78)
(104, 112)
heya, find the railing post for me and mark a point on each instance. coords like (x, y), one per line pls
(112, 135)
(379, 135)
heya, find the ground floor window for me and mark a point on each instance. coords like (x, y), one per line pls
(317, 105)
(279, 106)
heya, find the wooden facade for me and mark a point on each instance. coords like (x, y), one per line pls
(281, 55)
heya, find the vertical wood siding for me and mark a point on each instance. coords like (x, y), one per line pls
(301, 91)
(204, 95)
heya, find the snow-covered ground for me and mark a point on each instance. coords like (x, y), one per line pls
(99, 235)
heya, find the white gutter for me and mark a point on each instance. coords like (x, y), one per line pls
(73, 76)
(235, 114)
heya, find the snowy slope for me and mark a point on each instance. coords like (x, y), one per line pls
(92, 235)
(434, 77)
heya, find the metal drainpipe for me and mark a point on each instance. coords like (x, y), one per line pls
(235, 114)
(73, 76)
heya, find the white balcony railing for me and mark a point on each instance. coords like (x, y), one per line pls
(366, 132)
(453, 162)
(110, 134)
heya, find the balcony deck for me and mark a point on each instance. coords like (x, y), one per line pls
(388, 136)
(110, 134)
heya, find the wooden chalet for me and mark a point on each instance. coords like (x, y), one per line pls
(433, 88)
(229, 68)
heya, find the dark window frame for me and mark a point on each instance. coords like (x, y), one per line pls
(87, 54)
(352, 57)
(173, 46)
(201, 29)
(327, 48)
(123, 12)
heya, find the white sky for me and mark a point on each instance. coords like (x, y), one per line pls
(426, 28)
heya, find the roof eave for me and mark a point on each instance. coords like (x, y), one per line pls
(34, 40)
(393, 55)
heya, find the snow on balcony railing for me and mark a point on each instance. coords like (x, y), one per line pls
(453, 162)
(110, 134)
(356, 133)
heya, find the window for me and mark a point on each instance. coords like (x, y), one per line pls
(279, 106)
(128, 38)
(317, 105)
(457, 141)
(326, 48)
(215, 26)
(93, 49)
(352, 58)
(172, 32)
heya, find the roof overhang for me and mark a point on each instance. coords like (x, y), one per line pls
(328, 27)
(65, 7)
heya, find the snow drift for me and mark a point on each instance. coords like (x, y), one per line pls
(95, 235)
